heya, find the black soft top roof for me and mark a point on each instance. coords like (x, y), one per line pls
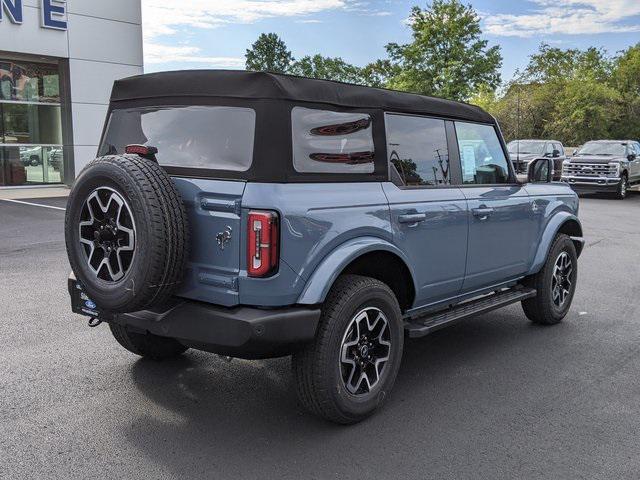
(261, 85)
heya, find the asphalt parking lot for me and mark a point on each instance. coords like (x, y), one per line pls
(493, 397)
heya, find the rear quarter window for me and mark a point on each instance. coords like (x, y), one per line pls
(205, 137)
(332, 142)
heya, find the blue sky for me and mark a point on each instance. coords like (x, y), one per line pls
(185, 34)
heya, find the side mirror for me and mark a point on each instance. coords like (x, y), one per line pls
(555, 154)
(632, 157)
(575, 152)
(540, 171)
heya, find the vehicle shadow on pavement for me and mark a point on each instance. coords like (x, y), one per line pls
(205, 410)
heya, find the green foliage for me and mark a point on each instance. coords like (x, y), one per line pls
(269, 53)
(572, 96)
(552, 64)
(326, 68)
(587, 109)
(378, 73)
(447, 57)
(626, 79)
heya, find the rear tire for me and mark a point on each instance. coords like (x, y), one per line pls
(343, 375)
(147, 345)
(555, 283)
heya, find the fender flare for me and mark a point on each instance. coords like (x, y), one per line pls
(326, 273)
(551, 230)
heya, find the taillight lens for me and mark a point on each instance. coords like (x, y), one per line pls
(262, 242)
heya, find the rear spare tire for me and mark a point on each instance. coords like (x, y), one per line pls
(126, 233)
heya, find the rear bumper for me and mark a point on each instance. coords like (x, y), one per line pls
(592, 185)
(242, 332)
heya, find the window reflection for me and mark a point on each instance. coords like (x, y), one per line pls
(29, 82)
(483, 160)
(418, 150)
(31, 164)
(25, 123)
(30, 124)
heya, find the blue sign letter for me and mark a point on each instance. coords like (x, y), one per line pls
(13, 9)
(54, 14)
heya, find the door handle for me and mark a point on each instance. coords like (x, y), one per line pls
(412, 218)
(482, 213)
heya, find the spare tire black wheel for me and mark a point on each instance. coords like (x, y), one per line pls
(126, 233)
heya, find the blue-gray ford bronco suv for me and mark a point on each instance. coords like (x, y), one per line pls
(255, 215)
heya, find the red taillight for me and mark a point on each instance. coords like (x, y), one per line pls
(145, 151)
(262, 243)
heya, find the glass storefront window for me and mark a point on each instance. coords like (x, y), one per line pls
(30, 124)
(31, 165)
(29, 82)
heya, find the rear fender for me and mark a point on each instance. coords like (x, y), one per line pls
(551, 230)
(318, 286)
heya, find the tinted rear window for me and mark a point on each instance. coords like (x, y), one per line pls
(332, 142)
(218, 138)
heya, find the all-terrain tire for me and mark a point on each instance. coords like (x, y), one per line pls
(623, 188)
(317, 369)
(542, 308)
(160, 226)
(146, 345)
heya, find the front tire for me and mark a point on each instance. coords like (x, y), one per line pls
(555, 283)
(147, 345)
(348, 371)
(623, 188)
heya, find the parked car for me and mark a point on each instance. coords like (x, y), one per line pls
(604, 166)
(56, 158)
(522, 152)
(31, 156)
(256, 215)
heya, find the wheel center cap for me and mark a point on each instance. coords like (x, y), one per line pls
(364, 351)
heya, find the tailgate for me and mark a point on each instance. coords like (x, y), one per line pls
(213, 208)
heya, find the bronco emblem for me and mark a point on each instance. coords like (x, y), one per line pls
(224, 237)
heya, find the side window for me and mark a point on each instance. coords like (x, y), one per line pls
(332, 142)
(417, 149)
(549, 149)
(483, 160)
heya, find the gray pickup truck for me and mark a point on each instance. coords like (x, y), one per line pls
(256, 215)
(604, 166)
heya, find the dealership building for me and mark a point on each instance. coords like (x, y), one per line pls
(58, 61)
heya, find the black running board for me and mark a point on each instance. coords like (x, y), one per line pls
(419, 327)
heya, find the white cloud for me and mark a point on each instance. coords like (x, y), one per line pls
(169, 17)
(162, 17)
(157, 54)
(572, 17)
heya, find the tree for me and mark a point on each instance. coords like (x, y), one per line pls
(625, 79)
(269, 53)
(571, 95)
(327, 68)
(586, 109)
(378, 73)
(552, 64)
(447, 57)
